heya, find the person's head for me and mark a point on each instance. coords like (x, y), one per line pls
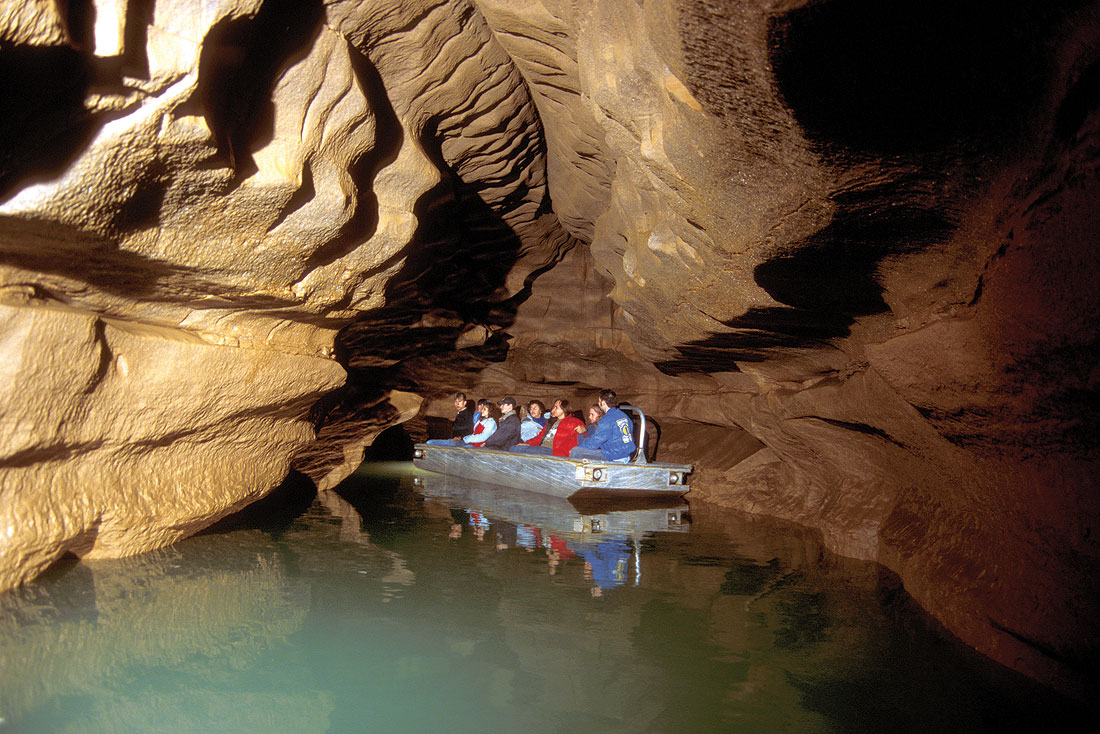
(460, 401)
(483, 407)
(535, 409)
(561, 408)
(594, 413)
(608, 400)
(507, 404)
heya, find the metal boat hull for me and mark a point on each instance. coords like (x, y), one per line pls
(552, 475)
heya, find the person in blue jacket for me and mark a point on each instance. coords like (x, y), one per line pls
(614, 436)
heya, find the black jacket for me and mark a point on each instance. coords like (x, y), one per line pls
(464, 422)
(506, 435)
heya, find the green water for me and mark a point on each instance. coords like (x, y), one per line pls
(383, 610)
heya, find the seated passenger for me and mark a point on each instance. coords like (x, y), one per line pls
(558, 437)
(507, 432)
(466, 418)
(613, 439)
(532, 426)
(595, 412)
(483, 429)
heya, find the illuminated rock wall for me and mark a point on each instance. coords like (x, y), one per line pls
(843, 251)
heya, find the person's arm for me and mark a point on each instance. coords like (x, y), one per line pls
(537, 440)
(528, 430)
(489, 430)
(605, 429)
(566, 437)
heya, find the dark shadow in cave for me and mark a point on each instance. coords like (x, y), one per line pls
(273, 513)
(829, 278)
(758, 333)
(43, 123)
(1081, 101)
(833, 272)
(238, 67)
(454, 269)
(910, 77)
(921, 89)
(139, 16)
(392, 444)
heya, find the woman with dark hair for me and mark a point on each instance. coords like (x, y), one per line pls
(559, 436)
(487, 426)
(532, 425)
(595, 412)
(489, 416)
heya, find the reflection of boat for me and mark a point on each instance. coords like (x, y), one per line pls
(557, 514)
(556, 475)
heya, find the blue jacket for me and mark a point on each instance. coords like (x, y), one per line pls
(614, 436)
(489, 429)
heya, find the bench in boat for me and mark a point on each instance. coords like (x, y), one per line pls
(556, 475)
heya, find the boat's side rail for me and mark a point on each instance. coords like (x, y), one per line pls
(639, 442)
(585, 472)
(421, 447)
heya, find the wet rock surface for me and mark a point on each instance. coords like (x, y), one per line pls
(843, 253)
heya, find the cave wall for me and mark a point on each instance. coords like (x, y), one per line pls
(844, 252)
(193, 201)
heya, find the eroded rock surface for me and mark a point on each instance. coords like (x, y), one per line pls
(854, 280)
(193, 200)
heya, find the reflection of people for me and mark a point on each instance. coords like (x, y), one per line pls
(479, 523)
(613, 439)
(606, 562)
(527, 536)
(557, 550)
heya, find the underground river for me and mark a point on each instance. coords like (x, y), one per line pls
(403, 603)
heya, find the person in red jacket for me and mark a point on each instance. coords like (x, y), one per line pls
(559, 436)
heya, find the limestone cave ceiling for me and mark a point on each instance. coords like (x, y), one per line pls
(843, 249)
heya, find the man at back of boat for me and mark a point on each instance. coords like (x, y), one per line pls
(507, 433)
(614, 436)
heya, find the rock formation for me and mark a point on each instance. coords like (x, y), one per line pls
(842, 250)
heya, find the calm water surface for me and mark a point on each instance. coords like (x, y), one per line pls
(403, 603)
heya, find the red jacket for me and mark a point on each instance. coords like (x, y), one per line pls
(478, 429)
(566, 437)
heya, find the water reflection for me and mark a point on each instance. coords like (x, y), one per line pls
(94, 638)
(401, 607)
(605, 533)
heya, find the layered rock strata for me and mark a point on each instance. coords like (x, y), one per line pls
(193, 200)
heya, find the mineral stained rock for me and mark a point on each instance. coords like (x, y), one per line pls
(843, 251)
